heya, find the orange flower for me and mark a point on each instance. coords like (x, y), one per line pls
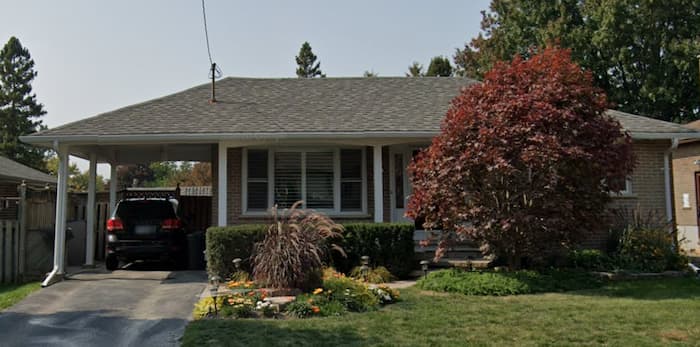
(251, 293)
(315, 309)
(310, 301)
(318, 291)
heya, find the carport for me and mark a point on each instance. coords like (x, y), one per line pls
(113, 150)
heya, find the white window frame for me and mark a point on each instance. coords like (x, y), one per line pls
(627, 192)
(335, 211)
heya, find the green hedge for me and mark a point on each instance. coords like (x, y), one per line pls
(507, 283)
(227, 243)
(387, 244)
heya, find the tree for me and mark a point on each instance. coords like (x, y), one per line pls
(439, 66)
(415, 70)
(20, 113)
(521, 160)
(642, 53)
(77, 180)
(370, 74)
(306, 62)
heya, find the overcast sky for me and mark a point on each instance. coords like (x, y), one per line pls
(95, 56)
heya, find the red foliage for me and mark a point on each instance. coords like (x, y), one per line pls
(522, 158)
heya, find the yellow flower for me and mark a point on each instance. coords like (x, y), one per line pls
(318, 291)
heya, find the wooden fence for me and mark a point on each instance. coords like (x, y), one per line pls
(9, 251)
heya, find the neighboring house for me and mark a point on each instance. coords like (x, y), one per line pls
(12, 174)
(686, 187)
(340, 144)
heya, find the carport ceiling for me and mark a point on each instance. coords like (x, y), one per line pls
(144, 153)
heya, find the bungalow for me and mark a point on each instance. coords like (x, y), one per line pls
(339, 144)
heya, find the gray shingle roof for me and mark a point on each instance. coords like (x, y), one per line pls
(639, 124)
(291, 105)
(14, 171)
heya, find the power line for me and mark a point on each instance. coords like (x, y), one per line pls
(206, 32)
(214, 71)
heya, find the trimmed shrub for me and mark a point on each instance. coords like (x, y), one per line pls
(227, 243)
(589, 259)
(650, 250)
(387, 244)
(375, 275)
(507, 283)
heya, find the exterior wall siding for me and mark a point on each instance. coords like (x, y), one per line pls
(684, 169)
(648, 186)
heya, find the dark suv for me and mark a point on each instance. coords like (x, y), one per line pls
(145, 229)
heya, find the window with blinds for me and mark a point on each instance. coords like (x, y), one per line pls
(305, 175)
(287, 178)
(351, 180)
(319, 180)
(257, 180)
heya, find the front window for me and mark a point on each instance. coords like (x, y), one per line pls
(331, 180)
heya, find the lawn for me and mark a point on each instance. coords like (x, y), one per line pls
(640, 313)
(10, 294)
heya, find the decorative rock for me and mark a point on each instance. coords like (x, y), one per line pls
(280, 301)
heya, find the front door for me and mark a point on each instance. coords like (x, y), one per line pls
(399, 181)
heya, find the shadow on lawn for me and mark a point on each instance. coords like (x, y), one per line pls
(251, 332)
(649, 289)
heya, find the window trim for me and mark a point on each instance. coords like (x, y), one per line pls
(335, 211)
(627, 192)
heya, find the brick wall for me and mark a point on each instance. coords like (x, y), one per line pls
(684, 169)
(648, 186)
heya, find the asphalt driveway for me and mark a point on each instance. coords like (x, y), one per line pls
(122, 308)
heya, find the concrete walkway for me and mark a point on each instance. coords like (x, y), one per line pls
(99, 308)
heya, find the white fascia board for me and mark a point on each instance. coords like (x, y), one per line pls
(195, 138)
(664, 136)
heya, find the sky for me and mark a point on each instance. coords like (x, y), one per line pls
(96, 56)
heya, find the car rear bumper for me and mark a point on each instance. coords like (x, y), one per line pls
(145, 250)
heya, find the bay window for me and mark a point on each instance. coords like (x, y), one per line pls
(330, 180)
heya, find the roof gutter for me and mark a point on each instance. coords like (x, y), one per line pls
(49, 140)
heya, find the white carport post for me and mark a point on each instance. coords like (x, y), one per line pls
(60, 227)
(90, 218)
(378, 189)
(222, 190)
(112, 187)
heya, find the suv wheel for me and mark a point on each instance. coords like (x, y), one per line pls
(111, 263)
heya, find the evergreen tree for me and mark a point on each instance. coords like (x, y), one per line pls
(439, 66)
(20, 113)
(415, 70)
(307, 65)
(370, 74)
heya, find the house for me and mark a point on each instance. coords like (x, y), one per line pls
(339, 144)
(686, 191)
(12, 174)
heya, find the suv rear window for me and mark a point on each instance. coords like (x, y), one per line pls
(145, 209)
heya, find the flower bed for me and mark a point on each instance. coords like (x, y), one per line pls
(338, 295)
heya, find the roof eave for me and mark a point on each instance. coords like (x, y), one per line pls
(664, 136)
(48, 140)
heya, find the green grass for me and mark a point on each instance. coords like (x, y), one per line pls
(641, 313)
(11, 294)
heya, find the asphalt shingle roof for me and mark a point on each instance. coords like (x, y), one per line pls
(10, 169)
(291, 105)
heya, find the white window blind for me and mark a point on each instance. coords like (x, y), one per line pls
(319, 180)
(287, 186)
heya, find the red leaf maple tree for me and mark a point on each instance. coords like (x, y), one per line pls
(522, 159)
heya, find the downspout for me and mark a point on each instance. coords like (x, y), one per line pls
(667, 179)
(56, 273)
